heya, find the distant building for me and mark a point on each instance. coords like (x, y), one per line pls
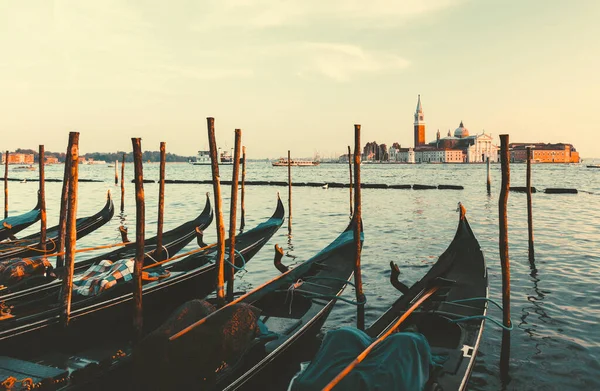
(544, 153)
(51, 160)
(18, 158)
(419, 124)
(459, 147)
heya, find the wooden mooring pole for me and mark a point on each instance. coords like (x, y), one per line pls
(161, 203)
(243, 218)
(350, 170)
(70, 224)
(42, 195)
(489, 179)
(504, 260)
(232, 212)
(140, 220)
(123, 184)
(116, 172)
(360, 297)
(529, 207)
(214, 163)
(64, 201)
(289, 164)
(6, 185)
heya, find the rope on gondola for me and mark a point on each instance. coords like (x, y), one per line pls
(83, 250)
(479, 317)
(294, 288)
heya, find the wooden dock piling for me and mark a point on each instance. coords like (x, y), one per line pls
(64, 200)
(6, 186)
(243, 218)
(42, 195)
(350, 170)
(232, 212)
(161, 203)
(489, 179)
(504, 259)
(529, 208)
(138, 320)
(116, 172)
(123, 184)
(214, 163)
(360, 297)
(70, 224)
(289, 161)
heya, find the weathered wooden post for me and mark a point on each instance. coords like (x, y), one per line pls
(529, 207)
(138, 319)
(161, 203)
(42, 196)
(214, 163)
(232, 212)
(70, 227)
(243, 218)
(123, 184)
(116, 172)
(289, 162)
(64, 200)
(504, 260)
(6, 186)
(489, 180)
(360, 297)
(350, 170)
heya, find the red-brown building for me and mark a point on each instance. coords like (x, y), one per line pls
(18, 158)
(544, 153)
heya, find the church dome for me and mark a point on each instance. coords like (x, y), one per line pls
(461, 131)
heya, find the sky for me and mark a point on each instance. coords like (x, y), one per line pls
(296, 75)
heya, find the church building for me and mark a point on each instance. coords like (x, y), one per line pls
(460, 147)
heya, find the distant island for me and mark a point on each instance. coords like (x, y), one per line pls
(29, 156)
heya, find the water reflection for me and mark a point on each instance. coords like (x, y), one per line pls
(536, 307)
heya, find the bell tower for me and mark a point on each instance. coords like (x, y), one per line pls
(419, 124)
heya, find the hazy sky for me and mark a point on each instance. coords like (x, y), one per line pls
(296, 74)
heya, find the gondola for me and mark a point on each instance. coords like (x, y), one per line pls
(28, 246)
(38, 292)
(100, 323)
(451, 319)
(288, 311)
(14, 224)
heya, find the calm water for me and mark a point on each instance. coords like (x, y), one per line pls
(555, 303)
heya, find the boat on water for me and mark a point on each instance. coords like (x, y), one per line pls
(29, 246)
(98, 342)
(13, 224)
(38, 290)
(593, 166)
(262, 325)
(283, 162)
(203, 158)
(451, 316)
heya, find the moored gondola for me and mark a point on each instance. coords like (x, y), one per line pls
(14, 224)
(100, 326)
(254, 331)
(451, 319)
(28, 246)
(38, 292)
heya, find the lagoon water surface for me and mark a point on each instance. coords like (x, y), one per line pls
(555, 302)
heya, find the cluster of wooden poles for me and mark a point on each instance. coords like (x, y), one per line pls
(68, 208)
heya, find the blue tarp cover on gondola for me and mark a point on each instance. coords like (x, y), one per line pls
(401, 362)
